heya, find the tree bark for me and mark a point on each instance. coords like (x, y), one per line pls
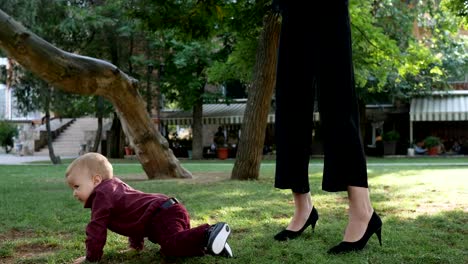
(249, 154)
(55, 160)
(89, 76)
(197, 126)
(97, 138)
(113, 138)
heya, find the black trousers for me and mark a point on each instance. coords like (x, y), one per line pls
(315, 59)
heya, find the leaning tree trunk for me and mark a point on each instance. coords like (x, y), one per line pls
(249, 154)
(89, 76)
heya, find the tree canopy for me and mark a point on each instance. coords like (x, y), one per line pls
(401, 48)
(215, 41)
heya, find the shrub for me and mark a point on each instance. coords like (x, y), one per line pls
(392, 135)
(431, 141)
(7, 133)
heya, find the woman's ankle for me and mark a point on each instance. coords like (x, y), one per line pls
(302, 201)
(360, 207)
(302, 209)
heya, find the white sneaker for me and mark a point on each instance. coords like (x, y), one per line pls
(217, 237)
(227, 251)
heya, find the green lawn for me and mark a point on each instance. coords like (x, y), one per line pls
(424, 207)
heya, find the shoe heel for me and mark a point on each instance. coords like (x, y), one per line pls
(314, 219)
(313, 225)
(373, 227)
(288, 234)
(378, 232)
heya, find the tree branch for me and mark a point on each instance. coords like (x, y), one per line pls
(89, 76)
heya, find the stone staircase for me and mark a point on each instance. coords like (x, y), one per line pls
(68, 143)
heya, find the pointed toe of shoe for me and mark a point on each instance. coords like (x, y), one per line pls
(341, 248)
(283, 235)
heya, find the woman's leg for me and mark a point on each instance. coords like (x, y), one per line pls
(345, 163)
(294, 95)
(302, 208)
(360, 212)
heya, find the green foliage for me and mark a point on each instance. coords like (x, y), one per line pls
(193, 19)
(431, 141)
(388, 59)
(459, 8)
(444, 40)
(7, 132)
(225, 48)
(405, 65)
(31, 94)
(52, 21)
(185, 75)
(242, 32)
(374, 53)
(238, 65)
(419, 71)
(391, 135)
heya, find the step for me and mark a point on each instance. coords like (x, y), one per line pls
(68, 143)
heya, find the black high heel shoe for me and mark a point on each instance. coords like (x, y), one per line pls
(288, 234)
(374, 226)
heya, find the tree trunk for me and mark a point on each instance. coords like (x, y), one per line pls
(113, 138)
(53, 158)
(97, 138)
(197, 126)
(249, 154)
(89, 76)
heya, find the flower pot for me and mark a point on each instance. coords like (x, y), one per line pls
(390, 147)
(128, 151)
(433, 151)
(223, 153)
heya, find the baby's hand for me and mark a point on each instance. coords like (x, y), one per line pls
(80, 260)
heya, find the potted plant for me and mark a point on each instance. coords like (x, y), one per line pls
(223, 152)
(390, 139)
(128, 151)
(7, 134)
(432, 144)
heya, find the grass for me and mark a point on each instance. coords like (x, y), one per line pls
(424, 210)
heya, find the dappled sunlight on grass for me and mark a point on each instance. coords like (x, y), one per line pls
(411, 193)
(424, 210)
(426, 238)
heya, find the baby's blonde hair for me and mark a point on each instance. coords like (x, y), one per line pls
(95, 163)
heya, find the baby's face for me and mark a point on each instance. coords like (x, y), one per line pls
(82, 184)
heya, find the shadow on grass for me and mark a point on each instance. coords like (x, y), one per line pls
(426, 239)
(424, 214)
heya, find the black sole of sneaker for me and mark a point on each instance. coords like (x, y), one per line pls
(218, 237)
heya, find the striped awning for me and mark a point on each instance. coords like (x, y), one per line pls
(216, 114)
(440, 106)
